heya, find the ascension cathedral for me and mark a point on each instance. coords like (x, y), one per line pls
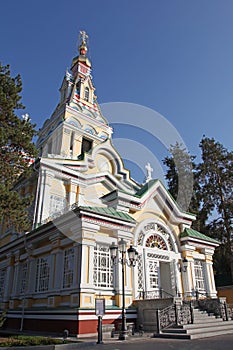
(85, 202)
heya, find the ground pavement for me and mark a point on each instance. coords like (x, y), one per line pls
(146, 343)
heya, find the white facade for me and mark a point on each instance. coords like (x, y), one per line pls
(85, 200)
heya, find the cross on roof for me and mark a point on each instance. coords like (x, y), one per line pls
(83, 36)
(149, 170)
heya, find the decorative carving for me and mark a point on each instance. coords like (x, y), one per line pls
(159, 238)
(175, 315)
(140, 273)
(156, 241)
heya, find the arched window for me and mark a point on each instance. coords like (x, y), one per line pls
(86, 94)
(155, 241)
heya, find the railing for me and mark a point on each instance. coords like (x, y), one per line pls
(174, 315)
(155, 294)
(217, 306)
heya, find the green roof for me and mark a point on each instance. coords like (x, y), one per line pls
(109, 212)
(145, 188)
(189, 232)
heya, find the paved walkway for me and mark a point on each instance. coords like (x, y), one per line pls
(137, 343)
(146, 342)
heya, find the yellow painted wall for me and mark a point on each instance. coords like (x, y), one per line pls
(226, 292)
(58, 188)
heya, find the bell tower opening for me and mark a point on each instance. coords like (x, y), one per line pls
(86, 94)
(86, 145)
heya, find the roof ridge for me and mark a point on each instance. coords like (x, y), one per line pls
(190, 232)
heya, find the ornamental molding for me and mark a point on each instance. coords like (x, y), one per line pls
(105, 223)
(153, 235)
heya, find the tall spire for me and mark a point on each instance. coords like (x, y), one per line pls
(81, 58)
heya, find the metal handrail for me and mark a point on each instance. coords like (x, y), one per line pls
(165, 292)
(174, 314)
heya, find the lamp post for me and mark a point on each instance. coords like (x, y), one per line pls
(132, 258)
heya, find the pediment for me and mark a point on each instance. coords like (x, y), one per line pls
(151, 197)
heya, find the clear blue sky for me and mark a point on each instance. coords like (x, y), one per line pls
(174, 56)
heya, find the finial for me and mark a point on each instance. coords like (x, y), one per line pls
(83, 36)
(83, 39)
(149, 170)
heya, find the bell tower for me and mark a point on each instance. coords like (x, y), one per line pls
(77, 124)
(81, 70)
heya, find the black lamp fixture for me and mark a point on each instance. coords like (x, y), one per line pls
(132, 259)
(184, 265)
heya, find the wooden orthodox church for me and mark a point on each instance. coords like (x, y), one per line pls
(85, 201)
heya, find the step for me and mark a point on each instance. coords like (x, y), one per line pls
(216, 323)
(202, 312)
(204, 323)
(175, 330)
(210, 334)
(172, 335)
(199, 334)
(224, 326)
(206, 319)
(199, 330)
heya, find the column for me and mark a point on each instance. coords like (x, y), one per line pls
(31, 274)
(56, 263)
(77, 263)
(87, 291)
(177, 277)
(72, 189)
(208, 272)
(16, 284)
(43, 206)
(57, 266)
(188, 275)
(9, 277)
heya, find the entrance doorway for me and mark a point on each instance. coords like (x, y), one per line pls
(156, 276)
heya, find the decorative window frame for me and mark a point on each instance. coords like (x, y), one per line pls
(2, 281)
(42, 274)
(102, 267)
(152, 227)
(23, 277)
(199, 275)
(57, 204)
(68, 268)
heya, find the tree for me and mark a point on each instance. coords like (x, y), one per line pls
(180, 176)
(16, 148)
(216, 188)
(212, 197)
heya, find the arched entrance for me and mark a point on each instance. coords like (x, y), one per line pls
(157, 274)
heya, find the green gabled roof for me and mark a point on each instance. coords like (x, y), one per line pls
(145, 188)
(189, 232)
(109, 212)
(150, 184)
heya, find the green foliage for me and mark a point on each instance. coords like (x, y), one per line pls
(3, 318)
(216, 189)
(212, 197)
(16, 147)
(180, 175)
(23, 340)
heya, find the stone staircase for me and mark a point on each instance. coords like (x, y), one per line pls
(204, 326)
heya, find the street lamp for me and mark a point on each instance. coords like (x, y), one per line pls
(132, 258)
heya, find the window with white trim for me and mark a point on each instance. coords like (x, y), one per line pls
(57, 204)
(199, 275)
(2, 281)
(103, 272)
(68, 269)
(42, 274)
(23, 277)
